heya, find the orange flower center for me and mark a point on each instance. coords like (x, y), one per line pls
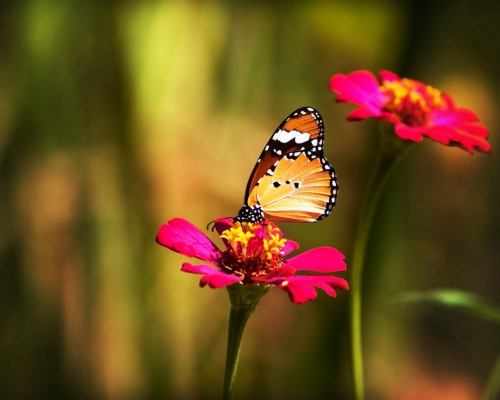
(253, 249)
(410, 100)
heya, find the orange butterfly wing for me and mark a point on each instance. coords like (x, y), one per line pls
(292, 180)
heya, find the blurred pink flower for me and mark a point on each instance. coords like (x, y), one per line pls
(416, 110)
(254, 255)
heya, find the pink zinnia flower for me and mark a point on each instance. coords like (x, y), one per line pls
(254, 254)
(416, 110)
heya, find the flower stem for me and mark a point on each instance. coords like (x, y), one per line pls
(238, 318)
(244, 299)
(391, 150)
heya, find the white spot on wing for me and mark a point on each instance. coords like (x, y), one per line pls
(302, 138)
(284, 136)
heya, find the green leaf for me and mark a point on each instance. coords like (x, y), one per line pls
(452, 298)
(493, 387)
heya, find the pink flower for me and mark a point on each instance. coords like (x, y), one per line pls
(254, 254)
(416, 110)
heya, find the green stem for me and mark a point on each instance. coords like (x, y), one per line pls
(238, 318)
(391, 150)
(244, 299)
(493, 388)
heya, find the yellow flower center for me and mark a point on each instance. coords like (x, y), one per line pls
(253, 249)
(410, 100)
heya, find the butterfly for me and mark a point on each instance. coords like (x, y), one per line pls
(292, 181)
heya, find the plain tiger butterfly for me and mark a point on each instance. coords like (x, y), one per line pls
(292, 181)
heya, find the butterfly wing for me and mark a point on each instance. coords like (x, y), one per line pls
(292, 180)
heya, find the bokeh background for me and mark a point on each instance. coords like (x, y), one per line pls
(117, 116)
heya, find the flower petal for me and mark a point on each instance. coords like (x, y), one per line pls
(298, 293)
(409, 132)
(290, 246)
(279, 274)
(458, 125)
(302, 288)
(183, 237)
(213, 277)
(388, 76)
(361, 113)
(321, 259)
(359, 87)
(221, 224)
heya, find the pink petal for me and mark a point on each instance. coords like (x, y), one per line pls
(276, 275)
(321, 259)
(183, 237)
(452, 137)
(450, 103)
(301, 288)
(460, 118)
(388, 76)
(359, 87)
(389, 117)
(290, 246)
(459, 127)
(477, 129)
(221, 224)
(361, 113)
(465, 116)
(409, 132)
(440, 134)
(323, 281)
(298, 292)
(448, 127)
(213, 277)
(452, 117)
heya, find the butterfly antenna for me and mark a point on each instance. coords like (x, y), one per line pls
(213, 225)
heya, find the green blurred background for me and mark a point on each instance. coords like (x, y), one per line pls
(116, 117)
